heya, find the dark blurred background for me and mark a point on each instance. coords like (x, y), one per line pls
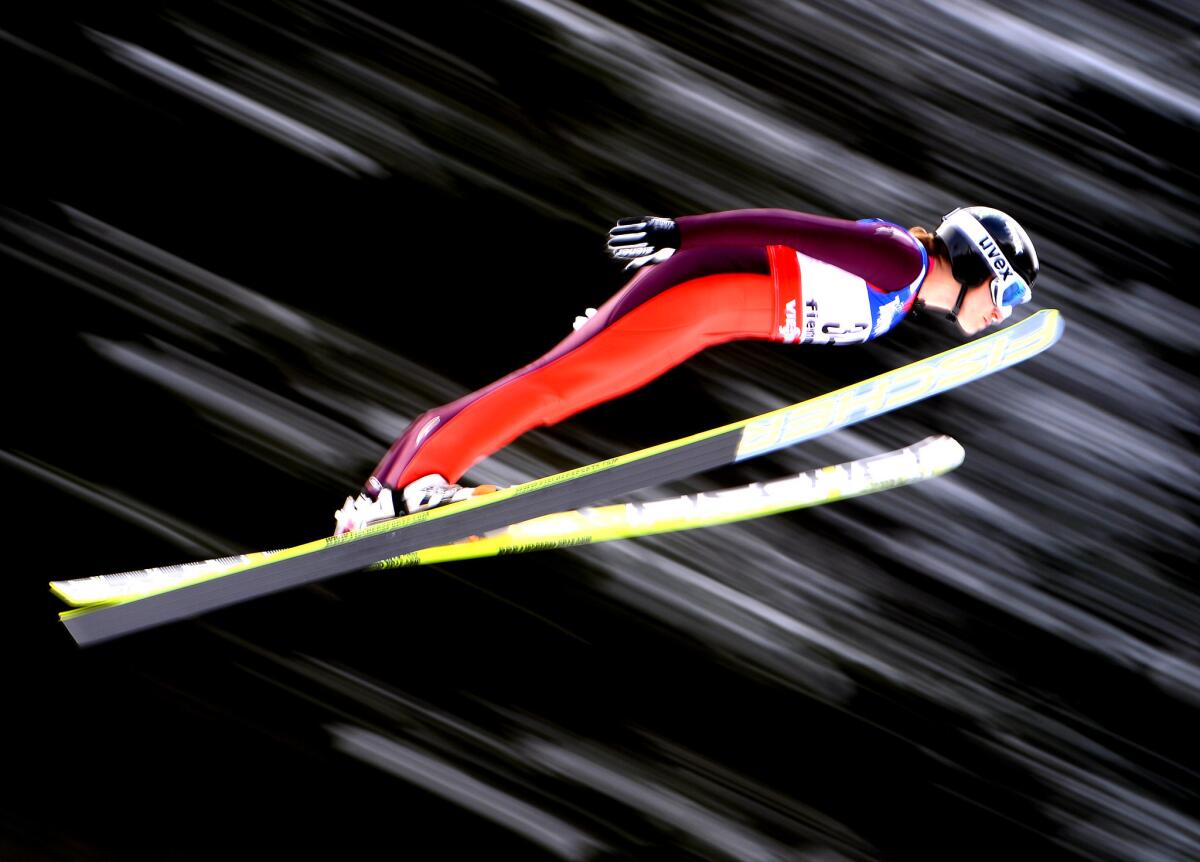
(243, 244)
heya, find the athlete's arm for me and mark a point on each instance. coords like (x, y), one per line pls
(885, 255)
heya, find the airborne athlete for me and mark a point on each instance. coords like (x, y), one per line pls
(773, 275)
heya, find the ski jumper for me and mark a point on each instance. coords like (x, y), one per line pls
(769, 274)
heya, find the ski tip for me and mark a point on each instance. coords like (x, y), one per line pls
(1053, 322)
(943, 453)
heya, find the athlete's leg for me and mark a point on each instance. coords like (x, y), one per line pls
(654, 323)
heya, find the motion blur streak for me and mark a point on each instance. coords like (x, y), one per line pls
(1034, 43)
(457, 786)
(182, 535)
(679, 789)
(621, 779)
(1138, 820)
(286, 228)
(700, 102)
(240, 108)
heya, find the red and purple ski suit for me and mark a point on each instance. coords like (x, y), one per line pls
(766, 274)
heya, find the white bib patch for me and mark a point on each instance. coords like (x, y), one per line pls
(836, 308)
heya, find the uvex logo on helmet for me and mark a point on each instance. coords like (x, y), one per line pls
(996, 258)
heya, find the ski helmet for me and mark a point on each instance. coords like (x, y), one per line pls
(982, 241)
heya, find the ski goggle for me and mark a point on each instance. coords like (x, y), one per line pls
(1009, 288)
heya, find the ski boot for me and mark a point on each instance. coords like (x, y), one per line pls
(373, 505)
(376, 502)
(433, 490)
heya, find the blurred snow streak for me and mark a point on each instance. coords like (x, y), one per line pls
(1073, 519)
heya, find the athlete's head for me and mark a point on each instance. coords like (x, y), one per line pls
(985, 259)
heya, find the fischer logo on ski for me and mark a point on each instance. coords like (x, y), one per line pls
(900, 387)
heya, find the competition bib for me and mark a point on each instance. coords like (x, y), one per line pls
(834, 307)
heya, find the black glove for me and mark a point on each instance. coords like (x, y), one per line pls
(643, 239)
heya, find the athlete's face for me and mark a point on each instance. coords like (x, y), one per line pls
(978, 312)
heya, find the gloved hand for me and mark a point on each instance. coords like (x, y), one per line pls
(643, 239)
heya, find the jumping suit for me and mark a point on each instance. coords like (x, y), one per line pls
(768, 274)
